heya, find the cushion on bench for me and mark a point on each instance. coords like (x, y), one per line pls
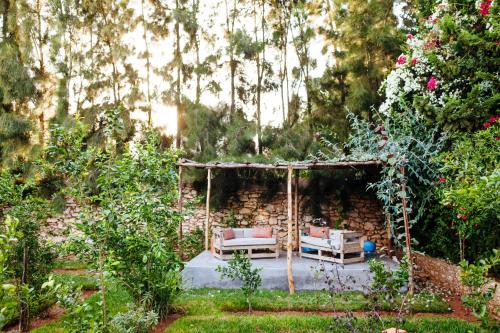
(250, 241)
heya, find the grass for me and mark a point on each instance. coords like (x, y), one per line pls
(210, 301)
(70, 264)
(229, 323)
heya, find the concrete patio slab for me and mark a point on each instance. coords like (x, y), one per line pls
(200, 273)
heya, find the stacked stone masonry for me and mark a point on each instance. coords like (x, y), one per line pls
(250, 209)
(447, 276)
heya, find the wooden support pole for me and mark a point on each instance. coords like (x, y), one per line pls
(411, 285)
(389, 233)
(291, 284)
(207, 208)
(296, 210)
(179, 201)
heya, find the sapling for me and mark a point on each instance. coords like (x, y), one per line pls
(239, 267)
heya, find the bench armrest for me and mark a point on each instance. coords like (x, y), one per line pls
(218, 235)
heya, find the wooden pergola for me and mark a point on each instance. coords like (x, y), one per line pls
(291, 167)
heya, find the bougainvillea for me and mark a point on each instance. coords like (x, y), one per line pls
(452, 78)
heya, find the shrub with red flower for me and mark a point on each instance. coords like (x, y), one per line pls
(491, 121)
(484, 7)
(401, 60)
(432, 83)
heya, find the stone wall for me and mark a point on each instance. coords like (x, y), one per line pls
(250, 209)
(447, 276)
(58, 228)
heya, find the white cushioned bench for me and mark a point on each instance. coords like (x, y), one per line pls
(243, 240)
(341, 246)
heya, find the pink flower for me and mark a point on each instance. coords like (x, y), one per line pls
(484, 7)
(432, 83)
(494, 119)
(414, 61)
(486, 125)
(409, 36)
(401, 60)
(442, 180)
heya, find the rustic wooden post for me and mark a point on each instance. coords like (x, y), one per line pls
(296, 210)
(207, 208)
(291, 285)
(411, 285)
(179, 209)
(389, 233)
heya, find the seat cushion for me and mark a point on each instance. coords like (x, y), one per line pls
(262, 232)
(320, 232)
(250, 241)
(228, 234)
(320, 242)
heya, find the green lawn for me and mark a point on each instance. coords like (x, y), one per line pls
(208, 301)
(212, 311)
(70, 264)
(229, 323)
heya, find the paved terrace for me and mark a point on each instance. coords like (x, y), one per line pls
(200, 273)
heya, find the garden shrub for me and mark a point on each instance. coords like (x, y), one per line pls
(475, 277)
(239, 267)
(135, 320)
(193, 243)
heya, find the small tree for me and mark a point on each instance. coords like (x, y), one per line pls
(240, 268)
(475, 278)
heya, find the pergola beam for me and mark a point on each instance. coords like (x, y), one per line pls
(279, 165)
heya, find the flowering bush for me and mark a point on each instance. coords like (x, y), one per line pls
(471, 191)
(452, 78)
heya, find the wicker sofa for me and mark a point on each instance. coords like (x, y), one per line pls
(244, 241)
(339, 246)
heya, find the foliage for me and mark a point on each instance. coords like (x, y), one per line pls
(387, 284)
(30, 257)
(470, 183)
(8, 238)
(193, 243)
(481, 291)
(239, 267)
(439, 74)
(133, 230)
(136, 320)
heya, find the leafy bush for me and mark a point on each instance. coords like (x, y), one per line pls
(193, 243)
(475, 277)
(137, 320)
(239, 267)
(387, 284)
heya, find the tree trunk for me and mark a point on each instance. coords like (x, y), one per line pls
(230, 16)
(102, 283)
(148, 65)
(24, 306)
(178, 61)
